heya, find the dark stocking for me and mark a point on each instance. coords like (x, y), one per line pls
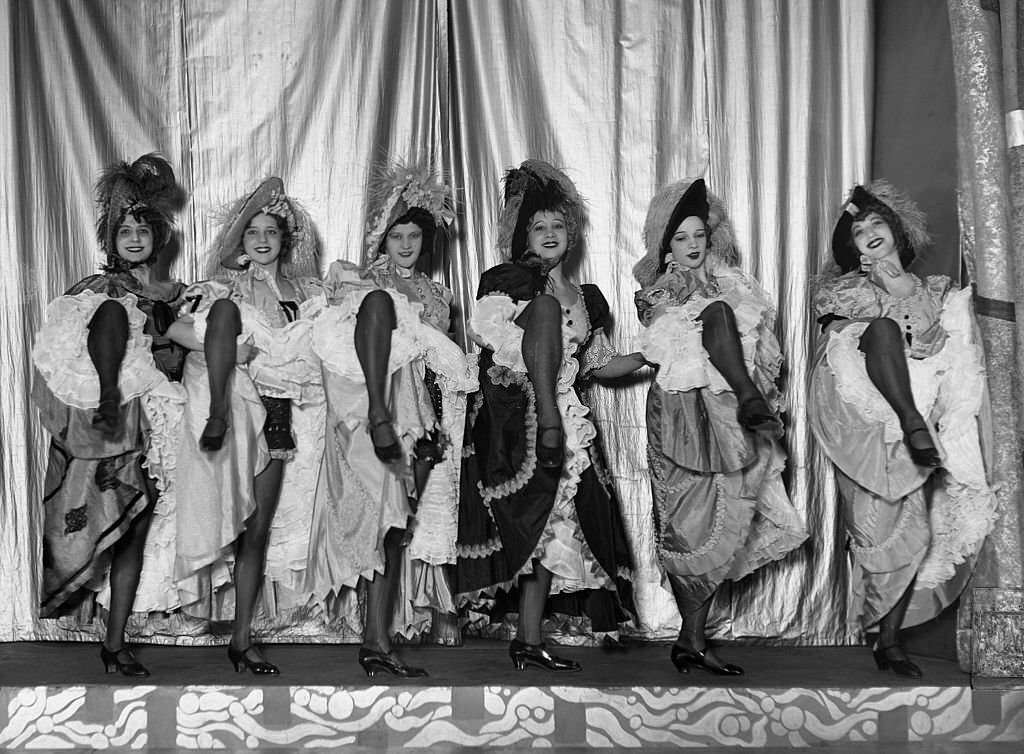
(533, 596)
(223, 325)
(380, 595)
(886, 363)
(692, 643)
(107, 344)
(889, 626)
(374, 324)
(251, 554)
(541, 322)
(125, 569)
(721, 339)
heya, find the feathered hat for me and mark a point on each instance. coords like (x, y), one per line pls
(669, 207)
(908, 221)
(396, 190)
(303, 252)
(534, 186)
(122, 189)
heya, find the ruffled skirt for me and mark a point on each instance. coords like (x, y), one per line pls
(902, 521)
(96, 485)
(360, 498)
(513, 512)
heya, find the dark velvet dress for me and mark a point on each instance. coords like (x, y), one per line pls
(511, 510)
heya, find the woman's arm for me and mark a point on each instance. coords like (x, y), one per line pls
(181, 332)
(620, 366)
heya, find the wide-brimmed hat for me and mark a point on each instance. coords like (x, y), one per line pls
(913, 231)
(146, 184)
(270, 198)
(396, 190)
(534, 186)
(669, 207)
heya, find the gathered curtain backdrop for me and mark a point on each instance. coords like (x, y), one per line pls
(770, 100)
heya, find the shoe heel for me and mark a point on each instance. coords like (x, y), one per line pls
(519, 663)
(881, 661)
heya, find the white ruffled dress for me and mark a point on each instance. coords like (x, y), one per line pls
(361, 498)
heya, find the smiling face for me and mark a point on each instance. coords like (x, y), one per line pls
(547, 236)
(403, 244)
(261, 239)
(689, 244)
(134, 240)
(873, 237)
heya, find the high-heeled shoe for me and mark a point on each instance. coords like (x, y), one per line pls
(900, 665)
(240, 659)
(374, 661)
(524, 654)
(122, 661)
(924, 453)
(684, 659)
(389, 452)
(755, 415)
(550, 456)
(213, 433)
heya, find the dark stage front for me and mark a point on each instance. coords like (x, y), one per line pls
(55, 696)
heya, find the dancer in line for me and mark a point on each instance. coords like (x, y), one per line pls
(897, 392)
(713, 430)
(105, 386)
(536, 511)
(396, 388)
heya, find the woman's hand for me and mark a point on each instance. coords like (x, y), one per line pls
(891, 277)
(245, 352)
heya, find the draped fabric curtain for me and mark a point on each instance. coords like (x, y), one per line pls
(769, 100)
(988, 59)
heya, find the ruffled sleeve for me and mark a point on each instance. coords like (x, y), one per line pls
(850, 296)
(596, 353)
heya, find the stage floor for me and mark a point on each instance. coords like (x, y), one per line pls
(55, 695)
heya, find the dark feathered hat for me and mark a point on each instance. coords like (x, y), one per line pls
(534, 186)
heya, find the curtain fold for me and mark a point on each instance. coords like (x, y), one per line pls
(770, 100)
(988, 61)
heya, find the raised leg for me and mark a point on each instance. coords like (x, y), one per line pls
(721, 339)
(886, 363)
(223, 325)
(107, 343)
(541, 321)
(374, 324)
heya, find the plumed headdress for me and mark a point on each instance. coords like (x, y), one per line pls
(396, 191)
(300, 255)
(669, 207)
(905, 219)
(534, 186)
(146, 187)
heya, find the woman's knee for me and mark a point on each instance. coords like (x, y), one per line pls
(881, 332)
(717, 311)
(377, 307)
(110, 314)
(544, 307)
(224, 312)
